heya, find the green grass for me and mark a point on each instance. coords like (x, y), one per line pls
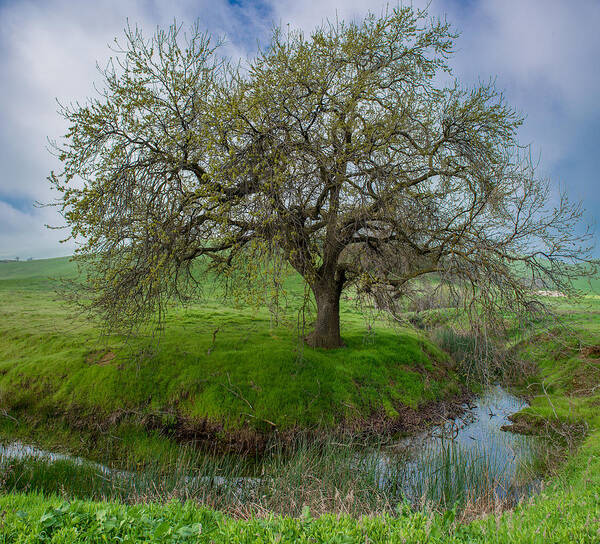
(557, 516)
(250, 378)
(565, 405)
(567, 510)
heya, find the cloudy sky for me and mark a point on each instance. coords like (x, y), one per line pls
(543, 53)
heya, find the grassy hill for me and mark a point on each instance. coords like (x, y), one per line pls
(217, 372)
(35, 274)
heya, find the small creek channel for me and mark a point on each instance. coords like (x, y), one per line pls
(466, 458)
(469, 456)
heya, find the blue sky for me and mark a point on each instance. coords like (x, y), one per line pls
(543, 53)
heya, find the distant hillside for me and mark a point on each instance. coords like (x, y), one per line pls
(41, 272)
(589, 285)
(36, 273)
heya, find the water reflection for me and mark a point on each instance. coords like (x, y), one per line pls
(467, 458)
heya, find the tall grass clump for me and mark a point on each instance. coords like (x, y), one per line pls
(323, 477)
(448, 475)
(328, 476)
(478, 356)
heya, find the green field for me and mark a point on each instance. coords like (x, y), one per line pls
(57, 377)
(222, 372)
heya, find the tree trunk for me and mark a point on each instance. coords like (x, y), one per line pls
(327, 327)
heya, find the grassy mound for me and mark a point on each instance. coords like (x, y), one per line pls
(567, 386)
(217, 371)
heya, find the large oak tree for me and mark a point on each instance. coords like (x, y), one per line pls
(352, 154)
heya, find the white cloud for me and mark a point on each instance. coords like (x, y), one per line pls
(24, 234)
(543, 52)
(48, 51)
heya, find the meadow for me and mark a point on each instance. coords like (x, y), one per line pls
(150, 401)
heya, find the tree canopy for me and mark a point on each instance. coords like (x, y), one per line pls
(352, 154)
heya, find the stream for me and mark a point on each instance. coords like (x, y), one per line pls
(466, 459)
(469, 456)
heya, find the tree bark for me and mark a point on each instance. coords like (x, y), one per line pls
(326, 333)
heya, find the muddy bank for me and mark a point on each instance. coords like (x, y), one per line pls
(213, 437)
(378, 426)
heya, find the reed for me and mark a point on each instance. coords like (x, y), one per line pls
(329, 476)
